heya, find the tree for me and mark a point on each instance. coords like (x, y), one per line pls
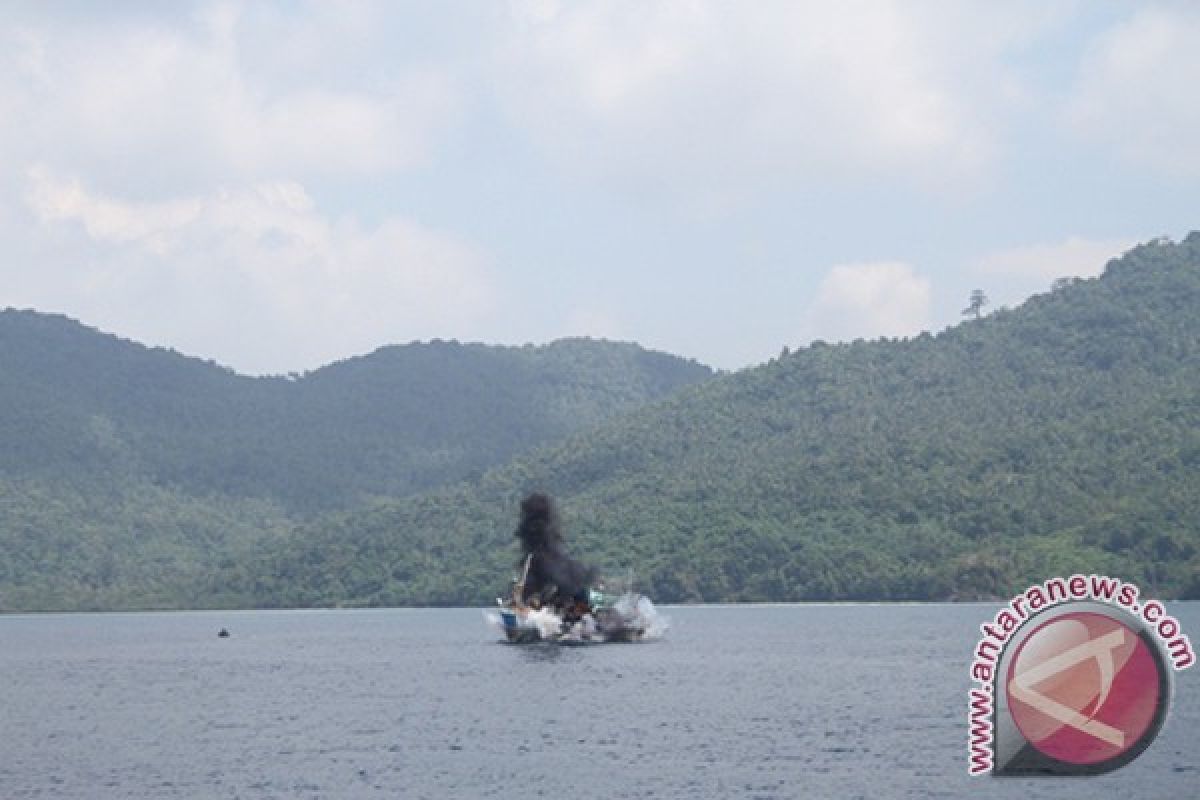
(977, 302)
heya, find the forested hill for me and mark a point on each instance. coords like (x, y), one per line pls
(77, 404)
(130, 476)
(1058, 437)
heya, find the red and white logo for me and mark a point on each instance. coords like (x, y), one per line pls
(1085, 689)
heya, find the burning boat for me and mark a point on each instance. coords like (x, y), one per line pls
(603, 617)
(557, 599)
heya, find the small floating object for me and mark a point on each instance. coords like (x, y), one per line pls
(223, 633)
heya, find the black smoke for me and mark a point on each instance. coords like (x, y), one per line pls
(554, 577)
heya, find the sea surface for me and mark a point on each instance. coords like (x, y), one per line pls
(803, 701)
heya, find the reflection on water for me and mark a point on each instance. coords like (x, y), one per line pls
(544, 652)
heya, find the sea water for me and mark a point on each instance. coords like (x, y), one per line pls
(817, 701)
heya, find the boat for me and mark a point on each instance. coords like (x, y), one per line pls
(609, 614)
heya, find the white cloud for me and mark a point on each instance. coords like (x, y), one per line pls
(1136, 90)
(189, 100)
(104, 219)
(228, 180)
(870, 300)
(1075, 257)
(256, 277)
(712, 96)
(168, 160)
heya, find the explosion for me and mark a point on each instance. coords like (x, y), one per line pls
(551, 577)
(556, 598)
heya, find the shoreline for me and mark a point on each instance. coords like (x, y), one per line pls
(671, 606)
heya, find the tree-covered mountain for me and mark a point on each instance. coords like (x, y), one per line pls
(1062, 436)
(75, 402)
(127, 474)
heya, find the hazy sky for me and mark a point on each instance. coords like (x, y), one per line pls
(276, 186)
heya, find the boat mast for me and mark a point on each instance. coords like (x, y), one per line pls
(519, 588)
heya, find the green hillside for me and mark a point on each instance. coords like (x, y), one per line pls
(75, 402)
(1058, 437)
(129, 474)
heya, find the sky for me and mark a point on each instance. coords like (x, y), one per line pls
(276, 186)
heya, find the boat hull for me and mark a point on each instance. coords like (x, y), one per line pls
(524, 626)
